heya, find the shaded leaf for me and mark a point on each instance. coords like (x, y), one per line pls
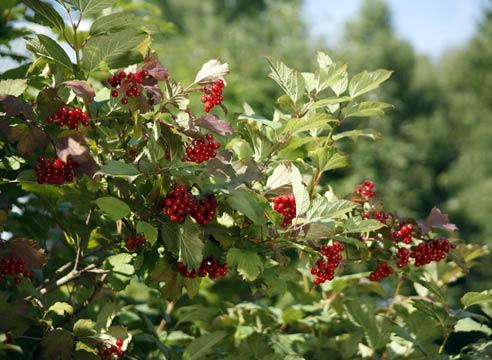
(165, 270)
(245, 201)
(46, 12)
(468, 325)
(13, 107)
(58, 343)
(437, 220)
(84, 327)
(118, 169)
(149, 231)
(74, 147)
(203, 345)
(28, 137)
(114, 22)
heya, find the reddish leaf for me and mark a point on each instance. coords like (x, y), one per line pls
(437, 220)
(155, 68)
(74, 146)
(24, 248)
(28, 138)
(215, 124)
(13, 313)
(14, 106)
(82, 88)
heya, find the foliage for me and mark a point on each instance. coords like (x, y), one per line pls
(89, 288)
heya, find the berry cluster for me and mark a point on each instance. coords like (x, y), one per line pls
(212, 95)
(70, 116)
(179, 203)
(129, 84)
(403, 256)
(285, 205)
(14, 266)
(202, 150)
(383, 270)
(134, 242)
(325, 268)
(209, 266)
(381, 216)
(427, 252)
(55, 171)
(404, 233)
(366, 189)
(108, 352)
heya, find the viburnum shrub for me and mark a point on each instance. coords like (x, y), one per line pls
(109, 223)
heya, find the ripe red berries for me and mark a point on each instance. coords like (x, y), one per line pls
(14, 266)
(106, 353)
(285, 205)
(202, 150)
(366, 189)
(212, 95)
(70, 116)
(325, 268)
(130, 85)
(383, 270)
(179, 203)
(403, 234)
(209, 266)
(135, 242)
(55, 171)
(381, 216)
(403, 257)
(433, 250)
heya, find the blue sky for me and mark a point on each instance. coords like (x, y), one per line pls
(431, 26)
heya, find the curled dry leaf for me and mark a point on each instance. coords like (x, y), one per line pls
(215, 124)
(212, 70)
(82, 88)
(155, 68)
(437, 220)
(24, 248)
(74, 146)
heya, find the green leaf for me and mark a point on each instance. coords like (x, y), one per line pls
(354, 135)
(190, 244)
(366, 109)
(328, 159)
(476, 298)
(115, 208)
(323, 210)
(330, 101)
(300, 192)
(468, 324)
(114, 22)
(49, 15)
(329, 75)
(119, 169)
(291, 81)
(112, 51)
(192, 286)
(58, 344)
(361, 315)
(367, 81)
(14, 87)
(245, 201)
(89, 7)
(149, 231)
(61, 308)
(203, 345)
(357, 225)
(105, 316)
(261, 120)
(201, 313)
(248, 263)
(84, 327)
(318, 121)
(48, 48)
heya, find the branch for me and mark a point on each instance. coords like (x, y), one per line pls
(72, 275)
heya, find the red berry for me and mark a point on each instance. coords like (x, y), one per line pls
(124, 101)
(16, 280)
(114, 93)
(119, 342)
(202, 150)
(285, 205)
